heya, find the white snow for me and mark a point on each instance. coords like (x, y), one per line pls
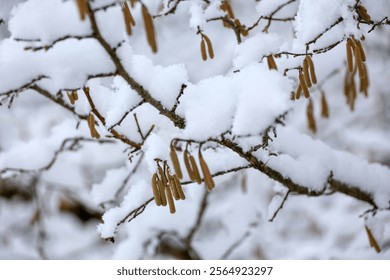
(263, 96)
(208, 107)
(255, 48)
(137, 194)
(163, 83)
(234, 95)
(309, 162)
(47, 20)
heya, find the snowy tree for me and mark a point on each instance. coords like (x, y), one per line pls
(186, 127)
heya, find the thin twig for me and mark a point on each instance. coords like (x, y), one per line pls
(280, 207)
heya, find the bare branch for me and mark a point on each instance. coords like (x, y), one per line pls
(280, 207)
(25, 86)
(68, 37)
(241, 240)
(57, 100)
(115, 133)
(68, 144)
(177, 120)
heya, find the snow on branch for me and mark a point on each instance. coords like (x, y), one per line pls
(193, 115)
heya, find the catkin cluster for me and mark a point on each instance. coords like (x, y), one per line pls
(307, 78)
(363, 14)
(356, 58)
(234, 22)
(128, 18)
(192, 167)
(166, 188)
(206, 41)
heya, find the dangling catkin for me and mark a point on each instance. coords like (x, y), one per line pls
(271, 63)
(161, 189)
(162, 175)
(324, 106)
(195, 170)
(171, 203)
(312, 70)
(303, 85)
(372, 240)
(91, 124)
(83, 8)
(149, 27)
(362, 52)
(208, 179)
(352, 94)
(172, 185)
(364, 83)
(359, 62)
(209, 46)
(186, 156)
(203, 49)
(298, 92)
(179, 187)
(175, 163)
(311, 123)
(156, 192)
(129, 20)
(349, 55)
(306, 72)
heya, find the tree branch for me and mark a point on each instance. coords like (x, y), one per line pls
(177, 120)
